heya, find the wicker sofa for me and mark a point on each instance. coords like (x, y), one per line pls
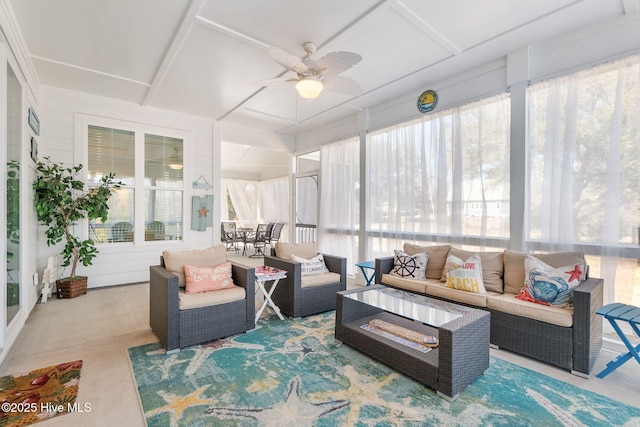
(181, 320)
(568, 337)
(298, 295)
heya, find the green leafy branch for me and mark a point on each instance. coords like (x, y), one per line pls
(62, 200)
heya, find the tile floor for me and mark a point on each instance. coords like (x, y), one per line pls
(100, 326)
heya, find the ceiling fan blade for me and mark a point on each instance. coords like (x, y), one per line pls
(341, 84)
(273, 82)
(287, 60)
(336, 62)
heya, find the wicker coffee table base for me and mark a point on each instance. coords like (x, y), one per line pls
(462, 356)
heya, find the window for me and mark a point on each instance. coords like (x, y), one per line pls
(114, 150)
(340, 200)
(438, 177)
(584, 156)
(163, 187)
(584, 174)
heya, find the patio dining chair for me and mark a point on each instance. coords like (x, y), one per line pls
(275, 233)
(260, 239)
(229, 235)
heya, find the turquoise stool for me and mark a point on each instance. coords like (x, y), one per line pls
(367, 265)
(625, 313)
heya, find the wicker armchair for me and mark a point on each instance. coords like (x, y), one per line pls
(295, 298)
(178, 328)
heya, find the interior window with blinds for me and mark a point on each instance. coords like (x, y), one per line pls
(163, 188)
(113, 150)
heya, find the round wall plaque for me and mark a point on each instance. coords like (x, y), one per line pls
(427, 101)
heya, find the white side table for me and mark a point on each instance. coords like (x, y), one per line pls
(263, 275)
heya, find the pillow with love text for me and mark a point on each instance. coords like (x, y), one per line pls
(204, 279)
(464, 275)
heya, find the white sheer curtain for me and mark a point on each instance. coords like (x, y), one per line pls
(584, 171)
(257, 202)
(244, 197)
(274, 202)
(441, 178)
(339, 200)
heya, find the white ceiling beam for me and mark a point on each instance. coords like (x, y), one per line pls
(267, 115)
(174, 48)
(242, 38)
(353, 24)
(415, 20)
(89, 70)
(321, 113)
(231, 33)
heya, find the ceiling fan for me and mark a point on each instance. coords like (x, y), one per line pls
(314, 76)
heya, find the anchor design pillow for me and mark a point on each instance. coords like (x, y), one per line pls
(464, 275)
(410, 266)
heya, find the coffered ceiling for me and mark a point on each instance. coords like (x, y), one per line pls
(201, 56)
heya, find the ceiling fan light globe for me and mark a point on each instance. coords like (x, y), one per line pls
(175, 161)
(309, 87)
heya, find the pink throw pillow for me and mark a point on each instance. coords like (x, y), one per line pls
(203, 279)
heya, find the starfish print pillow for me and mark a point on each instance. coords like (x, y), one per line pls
(547, 285)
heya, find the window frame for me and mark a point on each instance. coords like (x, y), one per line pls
(81, 125)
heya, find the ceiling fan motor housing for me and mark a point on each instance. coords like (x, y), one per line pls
(310, 48)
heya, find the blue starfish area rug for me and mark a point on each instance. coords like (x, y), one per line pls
(294, 373)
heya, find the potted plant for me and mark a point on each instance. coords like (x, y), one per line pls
(61, 201)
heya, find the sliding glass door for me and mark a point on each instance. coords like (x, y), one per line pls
(14, 137)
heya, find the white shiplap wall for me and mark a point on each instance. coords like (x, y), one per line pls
(61, 114)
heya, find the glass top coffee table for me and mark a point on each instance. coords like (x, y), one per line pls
(463, 334)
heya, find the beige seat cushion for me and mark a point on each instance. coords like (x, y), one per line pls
(175, 261)
(206, 299)
(319, 279)
(514, 266)
(492, 268)
(508, 303)
(439, 289)
(414, 285)
(437, 257)
(303, 250)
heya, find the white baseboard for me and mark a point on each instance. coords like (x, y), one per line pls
(613, 345)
